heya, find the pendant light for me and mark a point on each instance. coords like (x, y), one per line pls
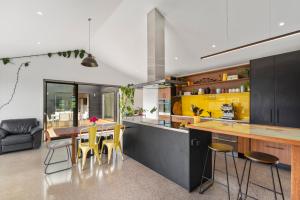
(89, 61)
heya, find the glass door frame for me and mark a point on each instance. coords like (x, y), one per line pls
(75, 110)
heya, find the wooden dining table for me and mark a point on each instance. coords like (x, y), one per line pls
(73, 132)
(282, 135)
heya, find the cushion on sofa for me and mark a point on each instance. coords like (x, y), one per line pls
(16, 139)
(19, 126)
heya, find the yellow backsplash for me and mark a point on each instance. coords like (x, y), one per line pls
(213, 103)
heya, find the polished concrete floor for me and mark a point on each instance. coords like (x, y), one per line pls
(22, 177)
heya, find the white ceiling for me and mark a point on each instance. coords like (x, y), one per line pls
(120, 35)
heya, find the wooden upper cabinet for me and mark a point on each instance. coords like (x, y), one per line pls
(262, 103)
(287, 76)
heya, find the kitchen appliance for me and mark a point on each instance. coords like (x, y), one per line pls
(228, 111)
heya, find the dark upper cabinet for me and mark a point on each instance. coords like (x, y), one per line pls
(275, 96)
(262, 91)
(287, 101)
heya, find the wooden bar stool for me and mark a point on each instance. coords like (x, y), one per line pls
(266, 159)
(221, 148)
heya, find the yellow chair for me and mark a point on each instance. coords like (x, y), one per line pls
(92, 144)
(113, 144)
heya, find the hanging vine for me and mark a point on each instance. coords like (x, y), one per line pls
(67, 54)
(26, 64)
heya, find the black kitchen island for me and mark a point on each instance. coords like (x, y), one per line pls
(177, 154)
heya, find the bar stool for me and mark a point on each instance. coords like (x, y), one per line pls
(221, 148)
(266, 159)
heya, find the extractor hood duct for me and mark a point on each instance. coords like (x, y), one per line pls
(156, 52)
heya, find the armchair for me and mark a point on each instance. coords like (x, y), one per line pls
(19, 134)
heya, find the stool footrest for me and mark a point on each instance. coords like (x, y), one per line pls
(265, 187)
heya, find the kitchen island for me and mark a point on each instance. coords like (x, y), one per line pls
(177, 154)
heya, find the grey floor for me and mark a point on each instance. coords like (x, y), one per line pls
(22, 177)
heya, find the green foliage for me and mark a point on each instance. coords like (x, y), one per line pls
(127, 101)
(67, 54)
(5, 61)
(81, 54)
(76, 52)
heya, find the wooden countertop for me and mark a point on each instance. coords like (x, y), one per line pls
(275, 134)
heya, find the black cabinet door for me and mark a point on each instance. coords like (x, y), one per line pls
(262, 91)
(287, 100)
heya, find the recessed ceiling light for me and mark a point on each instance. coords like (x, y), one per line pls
(176, 58)
(39, 13)
(38, 43)
(213, 46)
(281, 23)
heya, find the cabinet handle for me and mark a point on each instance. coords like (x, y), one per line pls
(271, 115)
(280, 148)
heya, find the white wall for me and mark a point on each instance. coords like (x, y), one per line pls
(138, 98)
(28, 100)
(150, 100)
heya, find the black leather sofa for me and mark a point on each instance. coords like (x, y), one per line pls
(19, 134)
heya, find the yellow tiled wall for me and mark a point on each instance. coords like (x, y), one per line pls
(213, 103)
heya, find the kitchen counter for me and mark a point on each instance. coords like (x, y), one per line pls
(157, 123)
(261, 132)
(283, 135)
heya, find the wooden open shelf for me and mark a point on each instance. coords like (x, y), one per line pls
(217, 82)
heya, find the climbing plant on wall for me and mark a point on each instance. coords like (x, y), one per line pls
(67, 54)
(127, 100)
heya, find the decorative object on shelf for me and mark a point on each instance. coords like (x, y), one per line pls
(242, 88)
(207, 90)
(26, 64)
(218, 90)
(247, 86)
(127, 100)
(200, 91)
(93, 120)
(196, 110)
(243, 72)
(224, 78)
(189, 83)
(89, 61)
(232, 77)
(194, 92)
(187, 93)
(65, 54)
(228, 111)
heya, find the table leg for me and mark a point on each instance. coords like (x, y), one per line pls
(73, 150)
(295, 173)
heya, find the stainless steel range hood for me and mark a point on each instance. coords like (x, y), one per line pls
(156, 52)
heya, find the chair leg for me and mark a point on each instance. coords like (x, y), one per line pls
(119, 146)
(45, 161)
(240, 194)
(84, 154)
(279, 182)
(48, 163)
(214, 167)
(101, 151)
(203, 172)
(96, 153)
(228, 190)
(273, 181)
(236, 171)
(249, 172)
(109, 153)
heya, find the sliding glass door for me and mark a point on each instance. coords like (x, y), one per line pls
(70, 104)
(61, 104)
